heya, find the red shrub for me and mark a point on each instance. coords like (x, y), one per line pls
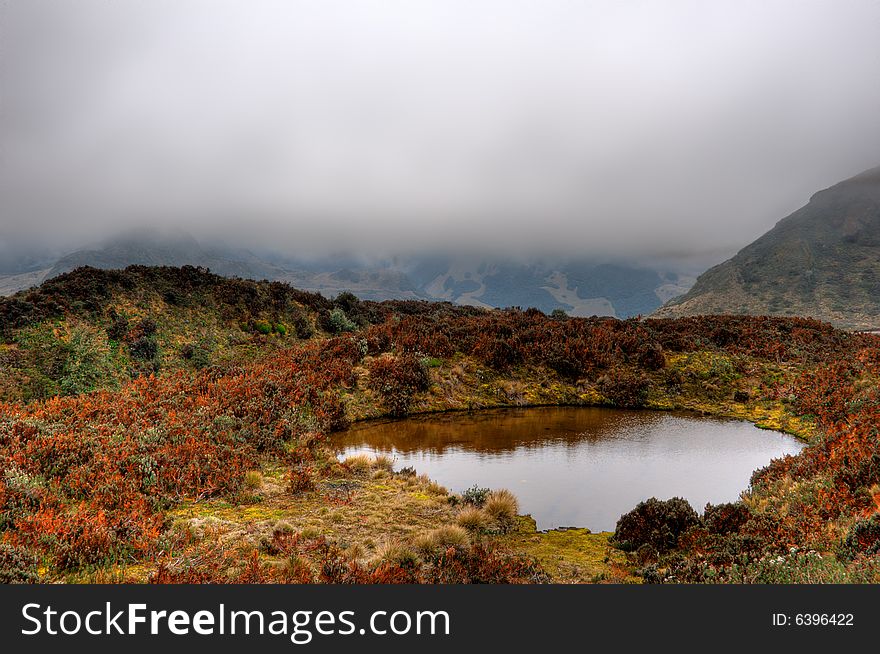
(396, 380)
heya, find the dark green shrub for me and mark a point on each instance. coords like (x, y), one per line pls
(118, 326)
(263, 327)
(347, 301)
(280, 329)
(863, 538)
(172, 296)
(17, 566)
(302, 326)
(657, 523)
(723, 519)
(144, 348)
(650, 574)
(143, 344)
(475, 495)
(338, 322)
(88, 363)
(147, 327)
(198, 354)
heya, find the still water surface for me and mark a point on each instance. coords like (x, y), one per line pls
(578, 466)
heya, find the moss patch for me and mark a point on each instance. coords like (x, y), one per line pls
(571, 555)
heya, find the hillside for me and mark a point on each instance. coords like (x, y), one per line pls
(150, 248)
(822, 261)
(176, 411)
(579, 286)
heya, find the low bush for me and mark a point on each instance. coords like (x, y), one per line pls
(17, 566)
(118, 327)
(475, 496)
(300, 479)
(263, 327)
(652, 358)
(723, 519)
(623, 388)
(396, 379)
(863, 538)
(302, 326)
(337, 322)
(658, 523)
(142, 340)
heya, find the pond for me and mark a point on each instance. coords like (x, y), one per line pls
(577, 466)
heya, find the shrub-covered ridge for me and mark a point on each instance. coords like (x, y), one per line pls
(159, 388)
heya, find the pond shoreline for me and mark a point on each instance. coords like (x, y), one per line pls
(576, 466)
(806, 436)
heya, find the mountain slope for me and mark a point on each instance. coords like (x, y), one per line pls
(581, 287)
(822, 261)
(150, 248)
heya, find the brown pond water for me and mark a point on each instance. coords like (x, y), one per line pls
(577, 466)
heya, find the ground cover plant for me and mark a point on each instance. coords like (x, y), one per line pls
(170, 425)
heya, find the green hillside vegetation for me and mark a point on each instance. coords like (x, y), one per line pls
(822, 261)
(91, 329)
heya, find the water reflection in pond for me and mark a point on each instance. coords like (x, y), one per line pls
(577, 466)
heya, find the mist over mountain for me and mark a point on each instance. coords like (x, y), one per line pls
(595, 130)
(579, 286)
(821, 261)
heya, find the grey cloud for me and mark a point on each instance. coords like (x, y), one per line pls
(632, 128)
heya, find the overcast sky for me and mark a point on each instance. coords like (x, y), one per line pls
(614, 127)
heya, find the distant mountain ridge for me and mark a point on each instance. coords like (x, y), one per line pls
(149, 248)
(822, 261)
(581, 287)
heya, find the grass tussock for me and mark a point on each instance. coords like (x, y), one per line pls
(436, 541)
(359, 463)
(502, 505)
(473, 519)
(430, 486)
(253, 480)
(383, 462)
(395, 552)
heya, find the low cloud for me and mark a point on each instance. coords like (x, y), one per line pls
(625, 128)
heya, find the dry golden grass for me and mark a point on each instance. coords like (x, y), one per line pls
(425, 544)
(473, 519)
(451, 536)
(383, 462)
(502, 506)
(253, 480)
(359, 463)
(437, 540)
(431, 486)
(393, 550)
(357, 512)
